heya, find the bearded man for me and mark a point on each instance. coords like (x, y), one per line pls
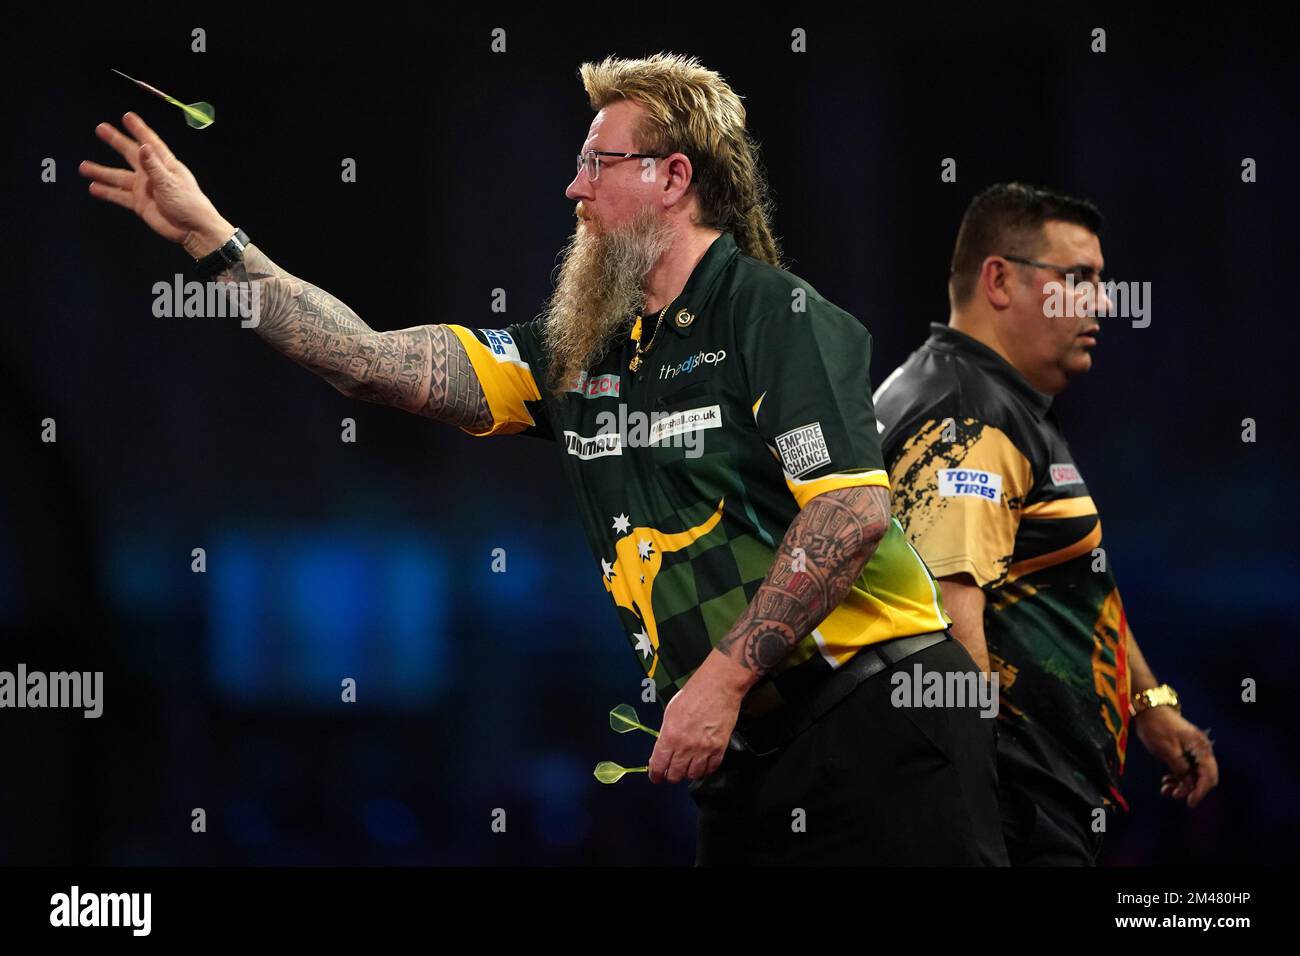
(760, 581)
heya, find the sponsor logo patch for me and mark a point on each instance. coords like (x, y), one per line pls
(597, 386)
(698, 360)
(501, 345)
(687, 420)
(1065, 475)
(803, 449)
(598, 447)
(968, 482)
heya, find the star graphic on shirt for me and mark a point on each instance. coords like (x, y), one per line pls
(622, 524)
(644, 548)
(607, 569)
(643, 643)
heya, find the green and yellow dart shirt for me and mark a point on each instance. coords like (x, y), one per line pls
(985, 485)
(752, 399)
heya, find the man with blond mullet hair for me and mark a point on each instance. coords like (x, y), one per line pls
(713, 415)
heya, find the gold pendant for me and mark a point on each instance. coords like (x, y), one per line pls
(635, 363)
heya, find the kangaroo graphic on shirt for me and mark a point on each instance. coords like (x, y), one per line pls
(638, 556)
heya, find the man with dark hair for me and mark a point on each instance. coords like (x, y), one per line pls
(739, 509)
(986, 487)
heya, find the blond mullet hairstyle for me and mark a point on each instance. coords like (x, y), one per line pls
(692, 110)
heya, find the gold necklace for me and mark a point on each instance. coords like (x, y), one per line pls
(636, 359)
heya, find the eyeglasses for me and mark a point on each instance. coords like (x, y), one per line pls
(1083, 274)
(592, 162)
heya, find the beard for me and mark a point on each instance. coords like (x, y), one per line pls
(601, 286)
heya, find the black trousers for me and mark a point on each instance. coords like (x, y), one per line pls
(867, 784)
(1044, 822)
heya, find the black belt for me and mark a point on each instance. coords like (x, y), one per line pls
(763, 735)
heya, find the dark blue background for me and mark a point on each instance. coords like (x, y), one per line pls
(373, 560)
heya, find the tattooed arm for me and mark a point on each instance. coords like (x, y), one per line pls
(831, 539)
(836, 533)
(423, 370)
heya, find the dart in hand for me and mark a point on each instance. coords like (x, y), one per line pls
(198, 115)
(622, 719)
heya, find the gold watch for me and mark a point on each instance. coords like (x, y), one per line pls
(1161, 696)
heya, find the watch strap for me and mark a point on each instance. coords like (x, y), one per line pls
(224, 256)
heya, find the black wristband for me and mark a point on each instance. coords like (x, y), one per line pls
(224, 256)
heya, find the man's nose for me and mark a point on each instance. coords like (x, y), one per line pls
(580, 188)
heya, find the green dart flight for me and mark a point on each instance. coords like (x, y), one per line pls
(623, 718)
(198, 115)
(609, 772)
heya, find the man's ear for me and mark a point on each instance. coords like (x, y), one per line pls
(679, 174)
(995, 282)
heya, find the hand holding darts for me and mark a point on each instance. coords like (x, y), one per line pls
(622, 719)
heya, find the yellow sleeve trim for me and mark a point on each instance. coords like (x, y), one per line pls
(507, 382)
(1085, 544)
(806, 491)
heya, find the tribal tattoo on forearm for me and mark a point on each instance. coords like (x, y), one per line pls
(821, 555)
(424, 370)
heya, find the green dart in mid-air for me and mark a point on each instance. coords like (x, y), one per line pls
(622, 719)
(198, 115)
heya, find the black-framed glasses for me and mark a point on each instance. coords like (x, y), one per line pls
(592, 162)
(1082, 272)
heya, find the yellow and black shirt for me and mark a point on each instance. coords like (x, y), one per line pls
(753, 399)
(984, 483)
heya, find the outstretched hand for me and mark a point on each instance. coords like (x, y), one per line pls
(158, 187)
